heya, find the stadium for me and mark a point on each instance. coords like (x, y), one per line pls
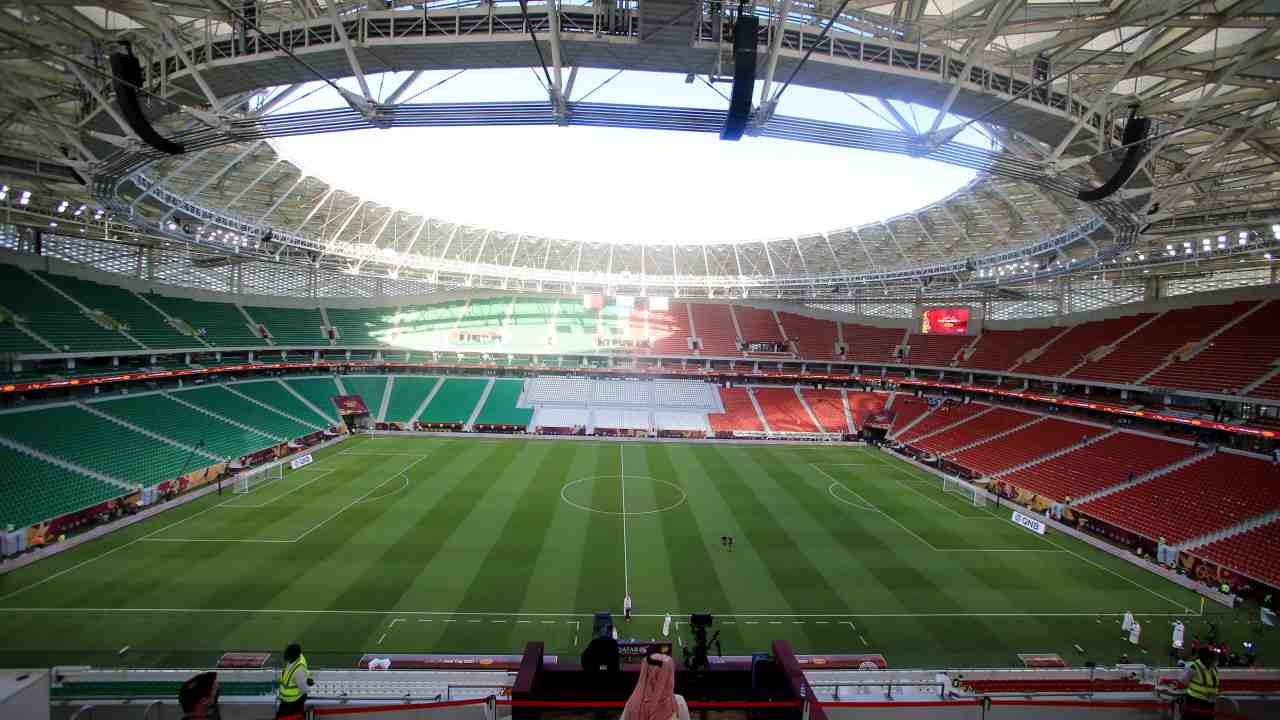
(868, 358)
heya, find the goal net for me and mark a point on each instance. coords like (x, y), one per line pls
(248, 481)
(964, 490)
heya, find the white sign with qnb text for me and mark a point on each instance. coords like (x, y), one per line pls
(299, 462)
(1028, 522)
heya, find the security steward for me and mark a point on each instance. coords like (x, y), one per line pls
(295, 680)
(1203, 684)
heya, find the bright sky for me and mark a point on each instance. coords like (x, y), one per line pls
(611, 184)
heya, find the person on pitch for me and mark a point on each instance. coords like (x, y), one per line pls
(626, 607)
(655, 695)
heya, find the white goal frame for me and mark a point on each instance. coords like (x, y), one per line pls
(964, 489)
(246, 482)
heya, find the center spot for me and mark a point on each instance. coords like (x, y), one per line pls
(603, 494)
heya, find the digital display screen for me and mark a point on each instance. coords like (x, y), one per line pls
(945, 321)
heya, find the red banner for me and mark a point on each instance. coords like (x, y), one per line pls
(350, 405)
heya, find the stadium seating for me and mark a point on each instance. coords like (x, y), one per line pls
(227, 404)
(828, 407)
(814, 338)
(974, 430)
(500, 407)
(1269, 389)
(1022, 446)
(1146, 349)
(291, 326)
(219, 324)
(139, 319)
(576, 326)
(1232, 360)
(160, 415)
(274, 394)
(866, 343)
(757, 325)
(684, 394)
(1002, 349)
(1255, 553)
(369, 387)
(13, 340)
(35, 490)
(454, 401)
(783, 411)
(948, 413)
(935, 350)
(670, 329)
(863, 405)
(560, 390)
(621, 392)
(53, 317)
(416, 322)
(484, 314)
(1069, 349)
(739, 413)
(714, 326)
(1194, 499)
(1098, 465)
(366, 326)
(70, 433)
(319, 391)
(407, 393)
(905, 409)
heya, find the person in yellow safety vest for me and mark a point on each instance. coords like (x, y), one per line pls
(295, 680)
(1203, 684)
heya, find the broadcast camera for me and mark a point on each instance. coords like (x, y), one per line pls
(695, 657)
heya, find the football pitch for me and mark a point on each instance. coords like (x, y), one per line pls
(434, 544)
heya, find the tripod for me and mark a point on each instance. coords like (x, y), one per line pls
(696, 659)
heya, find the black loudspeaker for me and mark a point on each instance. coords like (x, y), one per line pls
(127, 78)
(744, 77)
(1135, 131)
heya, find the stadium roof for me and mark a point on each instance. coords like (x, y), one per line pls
(1205, 72)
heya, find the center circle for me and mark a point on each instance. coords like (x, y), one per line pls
(603, 494)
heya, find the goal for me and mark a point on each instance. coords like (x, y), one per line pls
(965, 490)
(248, 481)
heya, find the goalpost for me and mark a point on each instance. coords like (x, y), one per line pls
(247, 482)
(965, 490)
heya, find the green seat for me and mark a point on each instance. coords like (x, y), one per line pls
(454, 401)
(35, 490)
(219, 324)
(407, 393)
(163, 416)
(318, 391)
(291, 326)
(219, 400)
(500, 407)
(73, 434)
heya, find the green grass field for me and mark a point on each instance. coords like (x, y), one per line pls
(470, 545)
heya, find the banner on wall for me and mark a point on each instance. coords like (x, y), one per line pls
(1028, 522)
(300, 462)
(945, 321)
(350, 405)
